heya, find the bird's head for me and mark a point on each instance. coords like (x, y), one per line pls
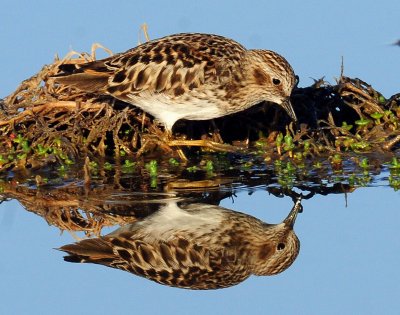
(275, 75)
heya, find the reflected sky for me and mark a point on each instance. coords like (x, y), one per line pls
(349, 259)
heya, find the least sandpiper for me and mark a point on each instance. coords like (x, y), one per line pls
(197, 246)
(188, 76)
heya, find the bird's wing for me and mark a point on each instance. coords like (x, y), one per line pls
(171, 65)
(178, 262)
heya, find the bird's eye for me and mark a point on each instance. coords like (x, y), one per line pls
(280, 246)
(276, 81)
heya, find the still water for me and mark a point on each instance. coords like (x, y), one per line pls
(347, 263)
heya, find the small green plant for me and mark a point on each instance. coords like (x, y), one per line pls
(364, 163)
(41, 150)
(336, 162)
(209, 166)
(360, 146)
(381, 99)
(288, 144)
(94, 167)
(377, 117)
(362, 123)
(192, 169)
(18, 139)
(345, 126)
(173, 162)
(394, 164)
(278, 142)
(108, 166)
(394, 182)
(152, 168)
(128, 166)
(317, 165)
(68, 161)
(306, 146)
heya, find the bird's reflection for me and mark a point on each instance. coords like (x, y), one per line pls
(195, 246)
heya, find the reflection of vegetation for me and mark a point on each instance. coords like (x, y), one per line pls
(64, 200)
(394, 177)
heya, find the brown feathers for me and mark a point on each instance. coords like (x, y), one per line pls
(186, 76)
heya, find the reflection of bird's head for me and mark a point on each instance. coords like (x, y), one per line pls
(279, 247)
(277, 253)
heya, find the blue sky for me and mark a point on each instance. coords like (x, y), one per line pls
(349, 258)
(312, 35)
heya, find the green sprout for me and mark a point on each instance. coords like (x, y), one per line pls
(336, 161)
(364, 163)
(128, 166)
(290, 168)
(153, 182)
(18, 139)
(25, 146)
(377, 116)
(394, 182)
(278, 164)
(362, 123)
(209, 166)
(361, 145)
(286, 175)
(288, 145)
(173, 162)
(298, 156)
(57, 142)
(68, 161)
(346, 126)
(41, 150)
(278, 142)
(348, 142)
(395, 163)
(21, 156)
(62, 169)
(306, 146)
(93, 165)
(192, 169)
(107, 166)
(152, 168)
(317, 165)
(381, 99)
(352, 179)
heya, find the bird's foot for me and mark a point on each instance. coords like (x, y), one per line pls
(204, 143)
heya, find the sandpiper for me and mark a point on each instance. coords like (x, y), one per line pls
(188, 76)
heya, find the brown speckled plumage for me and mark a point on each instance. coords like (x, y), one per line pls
(188, 76)
(198, 246)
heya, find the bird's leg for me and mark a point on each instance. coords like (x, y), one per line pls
(204, 143)
(168, 139)
(213, 145)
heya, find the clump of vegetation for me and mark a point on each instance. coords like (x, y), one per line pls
(43, 124)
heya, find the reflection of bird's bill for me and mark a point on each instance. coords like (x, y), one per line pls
(287, 106)
(291, 218)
